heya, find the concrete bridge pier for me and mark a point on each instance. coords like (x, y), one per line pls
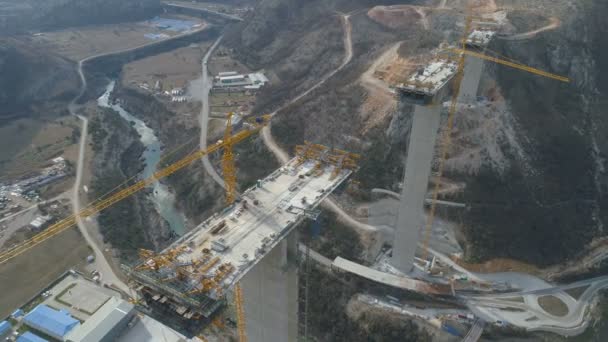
(270, 294)
(410, 219)
(473, 67)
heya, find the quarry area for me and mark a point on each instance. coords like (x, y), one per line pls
(268, 170)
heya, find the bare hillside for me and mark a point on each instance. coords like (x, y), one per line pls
(32, 78)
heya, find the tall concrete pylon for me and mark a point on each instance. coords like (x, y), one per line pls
(425, 90)
(473, 67)
(425, 125)
(477, 40)
(270, 294)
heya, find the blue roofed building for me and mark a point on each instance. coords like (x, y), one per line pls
(56, 324)
(5, 329)
(29, 337)
(17, 313)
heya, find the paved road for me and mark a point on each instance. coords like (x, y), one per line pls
(320, 259)
(571, 324)
(475, 332)
(204, 119)
(427, 200)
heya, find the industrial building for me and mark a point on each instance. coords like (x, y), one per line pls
(30, 337)
(192, 276)
(5, 329)
(40, 222)
(232, 80)
(106, 324)
(56, 324)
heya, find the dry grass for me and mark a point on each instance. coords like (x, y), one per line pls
(553, 305)
(29, 144)
(173, 69)
(28, 274)
(222, 103)
(499, 265)
(222, 61)
(78, 43)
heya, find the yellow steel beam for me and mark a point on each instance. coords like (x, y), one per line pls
(512, 64)
(240, 313)
(228, 168)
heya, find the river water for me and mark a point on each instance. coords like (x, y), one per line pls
(164, 200)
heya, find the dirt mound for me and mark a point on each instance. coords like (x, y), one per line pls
(396, 17)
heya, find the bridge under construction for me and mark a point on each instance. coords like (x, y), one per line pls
(192, 276)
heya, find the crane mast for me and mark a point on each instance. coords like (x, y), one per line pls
(229, 171)
(228, 166)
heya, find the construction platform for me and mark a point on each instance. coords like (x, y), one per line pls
(428, 84)
(193, 275)
(479, 39)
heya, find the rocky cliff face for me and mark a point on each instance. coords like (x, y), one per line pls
(133, 222)
(546, 200)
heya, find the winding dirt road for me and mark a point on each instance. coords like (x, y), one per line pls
(204, 119)
(553, 24)
(282, 155)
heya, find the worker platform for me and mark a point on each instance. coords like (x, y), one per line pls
(193, 275)
(428, 83)
(479, 39)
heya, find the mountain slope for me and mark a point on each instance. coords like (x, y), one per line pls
(550, 201)
(31, 77)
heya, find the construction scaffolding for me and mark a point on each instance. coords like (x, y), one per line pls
(194, 274)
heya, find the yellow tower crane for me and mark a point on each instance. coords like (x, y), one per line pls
(229, 170)
(511, 64)
(228, 166)
(103, 203)
(447, 136)
(240, 313)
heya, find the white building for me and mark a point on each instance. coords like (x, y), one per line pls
(106, 324)
(39, 222)
(248, 81)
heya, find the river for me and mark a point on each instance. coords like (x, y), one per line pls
(163, 199)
